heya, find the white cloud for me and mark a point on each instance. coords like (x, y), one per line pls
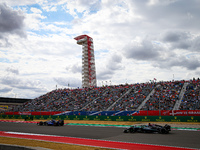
(131, 44)
(19, 3)
(73, 7)
(35, 10)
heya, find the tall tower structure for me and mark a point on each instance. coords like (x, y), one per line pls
(88, 61)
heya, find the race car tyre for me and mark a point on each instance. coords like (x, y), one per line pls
(166, 132)
(45, 123)
(163, 131)
(126, 131)
(61, 122)
(40, 123)
(132, 130)
(167, 127)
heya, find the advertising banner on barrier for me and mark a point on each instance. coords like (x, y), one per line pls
(34, 113)
(113, 113)
(107, 118)
(181, 113)
(167, 113)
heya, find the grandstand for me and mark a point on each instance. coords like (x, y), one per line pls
(8, 103)
(167, 95)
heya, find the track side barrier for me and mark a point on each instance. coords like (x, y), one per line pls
(107, 118)
(111, 113)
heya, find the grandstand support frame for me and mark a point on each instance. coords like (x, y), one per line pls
(109, 108)
(88, 61)
(91, 102)
(178, 103)
(147, 98)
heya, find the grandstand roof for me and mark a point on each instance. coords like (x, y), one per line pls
(7, 100)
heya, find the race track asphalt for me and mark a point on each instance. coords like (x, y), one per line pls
(189, 139)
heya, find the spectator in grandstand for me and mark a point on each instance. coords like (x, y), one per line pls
(191, 99)
(121, 97)
(164, 97)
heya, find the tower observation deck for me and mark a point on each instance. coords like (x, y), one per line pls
(88, 61)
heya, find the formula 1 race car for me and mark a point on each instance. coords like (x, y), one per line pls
(150, 128)
(51, 123)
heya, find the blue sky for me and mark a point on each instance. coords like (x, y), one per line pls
(134, 41)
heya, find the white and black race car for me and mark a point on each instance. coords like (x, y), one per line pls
(150, 128)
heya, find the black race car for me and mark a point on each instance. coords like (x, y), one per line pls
(51, 123)
(150, 128)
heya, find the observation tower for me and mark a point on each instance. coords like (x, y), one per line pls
(88, 61)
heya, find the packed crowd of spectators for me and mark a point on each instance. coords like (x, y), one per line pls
(191, 99)
(62, 100)
(134, 98)
(117, 98)
(112, 94)
(165, 96)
